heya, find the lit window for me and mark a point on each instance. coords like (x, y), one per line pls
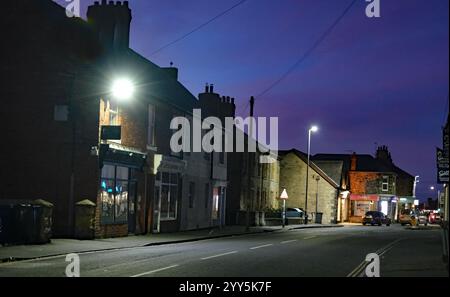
(113, 114)
(115, 184)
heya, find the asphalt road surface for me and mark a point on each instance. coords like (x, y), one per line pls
(307, 252)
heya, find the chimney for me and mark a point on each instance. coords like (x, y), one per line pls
(211, 88)
(383, 154)
(353, 162)
(207, 88)
(112, 22)
(171, 71)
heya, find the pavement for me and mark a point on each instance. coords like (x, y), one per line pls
(66, 246)
(335, 252)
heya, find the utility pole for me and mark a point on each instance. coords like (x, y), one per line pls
(249, 164)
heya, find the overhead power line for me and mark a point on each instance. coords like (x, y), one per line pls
(199, 27)
(308, 52)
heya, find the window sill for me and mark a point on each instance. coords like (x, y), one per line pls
(152, 148)
(114, 223)
(167, 220)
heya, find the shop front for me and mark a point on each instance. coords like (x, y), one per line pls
(121, 173)
(388, 206)
(169, 172)
(360, 204)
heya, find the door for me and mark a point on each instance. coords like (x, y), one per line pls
(132, 207)
(157, 209)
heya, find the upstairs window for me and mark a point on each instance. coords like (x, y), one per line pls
(113, 114)
(385, 184)
(151, 126)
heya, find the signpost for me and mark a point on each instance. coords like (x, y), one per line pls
(284, 197)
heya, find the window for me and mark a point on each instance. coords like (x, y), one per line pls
(151, 126)
(206, 195)
(385, 184)
(176, 114)
(61, 113)
(191, 194)
(166, 187)
(222, 152)
(113, 114)
(187, 134)
(115, 183)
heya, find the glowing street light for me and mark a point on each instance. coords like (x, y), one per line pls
(122, 89)
(312, 129)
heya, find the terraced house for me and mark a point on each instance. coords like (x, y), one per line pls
(98, 145)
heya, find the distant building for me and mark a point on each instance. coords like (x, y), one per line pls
(373, 183)
(254, 188)
(323, 190)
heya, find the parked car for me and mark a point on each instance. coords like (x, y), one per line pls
(376, 218)
(407, 216)
(422, 218)
(434, 218)
(294, 213)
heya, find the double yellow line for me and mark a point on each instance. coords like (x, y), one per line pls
(359, 271)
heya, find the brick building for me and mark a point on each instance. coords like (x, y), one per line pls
(60, 110)
(373, 183)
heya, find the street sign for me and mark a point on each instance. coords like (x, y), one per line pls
(110, 132)
(442, 166)
(284, 194)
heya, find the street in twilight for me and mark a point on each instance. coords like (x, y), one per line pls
(230, 139)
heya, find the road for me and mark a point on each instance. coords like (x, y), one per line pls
(308, 252)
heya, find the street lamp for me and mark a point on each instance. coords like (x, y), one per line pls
(122, 89)
(438, 201)
(312, 129)
(317, 177)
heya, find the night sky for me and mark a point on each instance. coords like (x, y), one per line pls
(371, 81)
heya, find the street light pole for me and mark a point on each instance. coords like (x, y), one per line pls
(312, 129)
(317, 193)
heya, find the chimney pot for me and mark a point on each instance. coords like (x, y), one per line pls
(353, 162)
(96, 3)
(111, 2)
(232, 100)
(206, 88)
(211, 88)
(125, 3)
(118, 3)
(103, 2)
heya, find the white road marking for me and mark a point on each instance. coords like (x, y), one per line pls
(310, 237)
(261, 246)
(288, 241)
(219, 255)
(153, 271)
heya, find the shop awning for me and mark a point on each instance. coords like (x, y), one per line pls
(121, 156)
(364, 197)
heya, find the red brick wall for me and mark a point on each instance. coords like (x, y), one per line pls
(358, 181)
